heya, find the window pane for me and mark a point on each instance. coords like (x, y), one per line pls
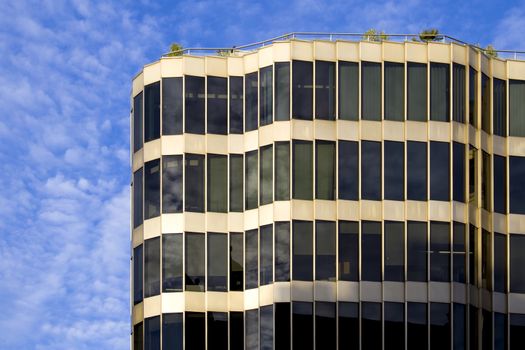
(500, 263)
(394, 326)
(236, 330)
(137, 275)
(251, 173)
(394, 251)
(172, 262)
(325, 250)
(516, 188)
(324, 170)
(250, 106)
(371, 91)
(500, 331)
(458, 178)
(439, 171)
(348, 90)
(458, 92)
(460, 327)
(325, 326)
(371, 251)
(371, 170)
(459, 254)
(473, 269)
(217, 183)
(473, 327)
(417, 91)
(266, 254)
(417, 251)
(416, 171)
(302, 170)
(302, 251)
(266, 335)
(266, 175)
(217, 261)
(348, 318)
(440, 92)
(194, 185)
(440, 251)
(473, 97)
(152, 111)
(194, 105)
(171, 184)
(137, 198)
(195, 329)
(324, 90)
(473, 177)
(303, 326)
(172, 331)
(348, 169)
(517, 107)
(394, 170)
(517, 261)
(252, 329)
(416, 326)
(252, 260)
(217, 105)
(195, 256)
(282, 251)
(517, 331)
(302, 94)
(486, 181)
(499, 107)
(236, 261)
(266, 95)
(282, 90)
(348, 251)
(371, 326)
(500, 184)
(282, 171)
(152, 333)
(486, 269)
(394, 91)
(485, 102)
(152, 189)
(440, 326)
(217, 331)
(171, 106)
(137, 122)
(282, 326)
(236, 105)
(486, 330)
(236, 182)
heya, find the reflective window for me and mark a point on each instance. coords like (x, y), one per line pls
(302, 251)
(236, 105)
(194, 184)
(251, 173)
(266, 95)
(371, 251)
(348, 320)
(486, 330)
(152, 189)
(250, 104)
(137, 275)
(371, 325)
(458, 93)
(439, 251)
(172, 331)
(458, 168)
(499, 104)
(324, 90)
(282, 90)
(517, 261)
(371, 170)
(394, 325)
(194, 105)
(517, 107)
(472, 173)
(417, 91)
(138, 337)
(282, 171)
(252, 260)
(171, 184)
(371, 90)
(172, 106)
(302, 170)
(152, 111)
(266, 336)
(266, 175)
(236, 182)
(195, 329)
(302, 94)
(152, 333)
(500, 331)
(348, 251)
(325, 250)
(252, 329)
(236, 330)
(236, 261)
(324, 170)
(517, 331)
(460, 327)
(440, 92)
(500, 262)
(439, 171)
(486, 269)
(486, 181)
(472, 255)
(217, 183)
(394, 91)
(348, 169)
(217, 262)
(325, 326)
(516, 188)
(394, 251)
(416, 171)
(172, 262)
(217, 105)
(303, 326)
(500, 184)
(473, 96)
(348, 90)
(195, 256)
(137, 198)
(473, 327)
(282, 251)
(485, 102)
(459, 253)
(217, 331)
(394, 182)
(417, 251)
(282, 326)
(137, 122)
(417, 332)
(266, 254)
(440, 326)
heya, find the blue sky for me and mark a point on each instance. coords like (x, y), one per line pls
(65, 73)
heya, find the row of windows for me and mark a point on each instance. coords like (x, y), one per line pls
(329, 251)
(326, 325)
(237, 104)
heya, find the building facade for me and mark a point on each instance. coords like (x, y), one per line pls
(329, 195)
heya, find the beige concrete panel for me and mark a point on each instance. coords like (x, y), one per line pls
(195, 301)
(151, 73)
(281, 211)
(236, 301)
(137, 236)
(151, 150)
(251, 140)
(302, 291)
(459, 293)
(236, 143)
(138, 159)
(325, 291)
(416, 131)
(152, 228)
(302, 129)
(371, 210)
(439, 52)
(302, 50)
(393, 210)
(251, 219)
(499, 145)
(217, 301)
(416, 52)
(416, 210)
(458, 132)
(325, 130)
(499, 302)
(459, 212)
(325, 210)
(370, 291)
(485, 220)
(485, 141)
(192, 65)
(371, 130)
(302, 210)
(194, 143)
(347, 51)
(172, 302)
(472, 136)
(266, 135)
(138, 313)
(485, 64)
(217, 144)
(473, 214)
(152, 306)
(459, 53)
(216, 222)
(281, 130)
(517, 223)
(194, 222)
(416, 291)
(265, 56)
(171, 67)
(138, 84)
(266, 295)
(499, 69)
(348, 210)
(394, 291)
(370, 51)
(439, 292)
(500, 222)
(439, 210)
(281, 292)
(235, 65)
(393, 52)
(474, 296)
(516, 70)
(486, 299)
(473, 56)
(172, 223)
(347, 291)
(236, 222)
(172, 144)
(348, 130)
(281, 51)
(325, 50)
(265, 214)
(439, 131)
(394, 131)
(516, 146)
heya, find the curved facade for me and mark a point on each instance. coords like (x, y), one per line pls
(318, 194)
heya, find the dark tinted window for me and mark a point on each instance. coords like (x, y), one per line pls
(371, 325)
(282, 91)
(348, 90)
(417, 91)
(217, 331)
(499, 104)
(472, 255)
(473, 327)
(171, 106)
(325, 326)
(324, 170)
(417, 326)
(371, 251)
(348, 250)
(416, 170)
(394, 91)
(217, 108)
(394, 251)
(459, 253)
(517, 331)
(266, 95)
(266, 175)
(348, 170)
(251, 173)
(217, 261)
(516, 188)
(439, 326)
(500, 262)
(486, 269)
(371, 91)
(417, 251)
(236, 330)
(172, 331)
(137, 122)
(460, 327)
(236, 182)
(394, 170)
(348, 319)
(217, 183)
(266, 336)
(282, 251)
(458, 93)
(324, 90)
(152, 189)
(172, 262)
(458, 177)
(371, 170)
(486, 181)
(137, 275)
(303, 326)
(282, 326)
(517, 261)
(236, 261)
(440, 251)
(152, 112)
(394, 326)
(252, 260)
(500, 331)
(500, 184)
(302, 94)
(325, 250)
(473, 96)
(282, 171)
(195, 255)
(171, 184)
(486, 330)
(195, 330)
(266, 254)
(439, 171)
(302, 251)
(250, 104)
(194, 105)
(485, 102)
(236, 105)
(152, 333)
(302, 170)
(440, 92)
(517, 107)
(252, 329)
(137, 198)
(472, 180)
(194, 184)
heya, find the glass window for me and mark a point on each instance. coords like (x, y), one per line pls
(516, 188)
(302, 170)
(152, 333)
(371, 325)
(348, 90)
(517, 107)
(517, 261)
(325, 326)
(499, 104)
(172, 331)
(472, 180)
(217, 331)
(217, 105)
(282, 90)
(217, 262)
(266, 175)
(152, 189)
(371, 251)
(236, 330)
(137, 198)
(417, 326)
(325, 170)
(500, 331)
(348, 319)
(195, 329)
(217, 183)
(486, 181)
(236, 105)
(172, 184)
(394, 170)
(252, 329)
(473, 327)
(251, 173)
(371, 90)
(266, 336)
(371, 170)
(325, 250)
(473, 270)
(486, 269)
(236, 182)
(348, 170)
(194, 185)
(417, 91)
(282, 171)
(282, 251)
(137, 275)
(302, 251)
(500, 262)
(250, 105)
(394, 91)
(138, 337)
(485, 102)
(137, 122)
(266, 95)
(417, 251)
(440, 326)
(394, 326)
(194, 105)
(195, 256)
(282, 325)
(266, 254)
(394, 251)
(348, 251)
(416, 171)
(302, 94)
(171, 106)
(500, 184)
(439, 251)
(458, 93)
(486, 330)
(324, 90)
(439, 171)
(440, 92)
(517, 331)
(303, 326)
(252, 260)
(458, 166)
(236, 261)
(459, 253)
(152, 111)
(172, 262)
(460, 327)
(473, 96)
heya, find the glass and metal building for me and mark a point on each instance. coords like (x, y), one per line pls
(317, 194)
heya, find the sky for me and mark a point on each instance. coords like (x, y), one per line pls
(65, 82)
